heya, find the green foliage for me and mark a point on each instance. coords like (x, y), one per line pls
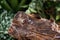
(32, 7)
(36, 6)
(15, 5)
(5, 20)
(58, 11)
(5, 5)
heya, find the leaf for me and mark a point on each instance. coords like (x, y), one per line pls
(5, 5)
(57, 17)
(14, 4)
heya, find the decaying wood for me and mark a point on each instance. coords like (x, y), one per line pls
(25, 27)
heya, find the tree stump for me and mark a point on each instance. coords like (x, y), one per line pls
(25, 27)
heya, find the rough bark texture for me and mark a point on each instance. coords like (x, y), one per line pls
(25, 27)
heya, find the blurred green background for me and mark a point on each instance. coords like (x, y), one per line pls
(8, 8)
